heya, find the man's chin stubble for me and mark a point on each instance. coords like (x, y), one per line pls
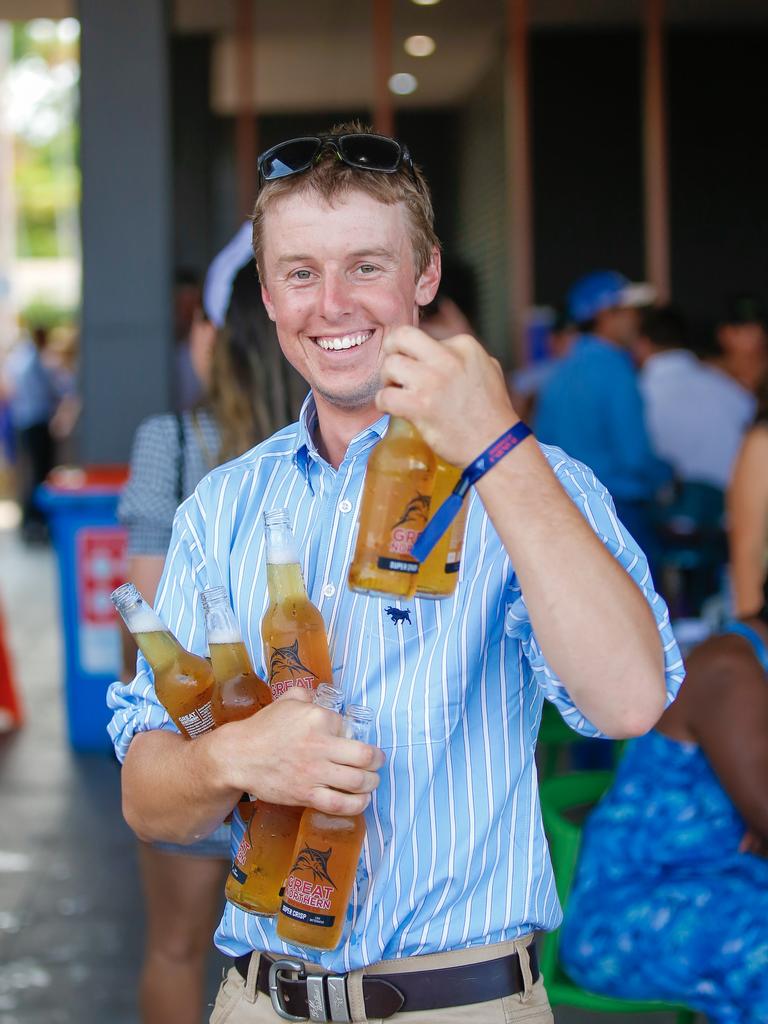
(360, 398)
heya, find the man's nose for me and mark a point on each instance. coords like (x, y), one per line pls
(335, 297)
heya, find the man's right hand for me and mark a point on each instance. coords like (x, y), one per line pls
(292, 752)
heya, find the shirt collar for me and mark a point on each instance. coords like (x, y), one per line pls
(305, 449)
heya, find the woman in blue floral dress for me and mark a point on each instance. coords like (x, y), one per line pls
(670, 899)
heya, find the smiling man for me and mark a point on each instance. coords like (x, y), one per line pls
(554, 601)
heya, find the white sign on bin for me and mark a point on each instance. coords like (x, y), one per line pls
(101, 557)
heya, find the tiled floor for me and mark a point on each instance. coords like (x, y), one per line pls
(70, 920)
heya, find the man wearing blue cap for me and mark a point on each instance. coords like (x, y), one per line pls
(592, 406)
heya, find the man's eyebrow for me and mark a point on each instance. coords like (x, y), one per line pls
(295, 258)
(382, 253)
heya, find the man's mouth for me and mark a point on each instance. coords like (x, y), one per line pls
(341, 341)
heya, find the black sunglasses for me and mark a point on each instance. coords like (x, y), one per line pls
(360, 150)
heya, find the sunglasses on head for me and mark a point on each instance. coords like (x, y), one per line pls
(360, 150)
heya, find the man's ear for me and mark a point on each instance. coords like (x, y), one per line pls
(429, 280)
(268, 305)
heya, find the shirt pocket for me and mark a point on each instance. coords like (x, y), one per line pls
(411, 673)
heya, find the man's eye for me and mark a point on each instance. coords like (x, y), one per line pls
(302, 275)
(367, 268)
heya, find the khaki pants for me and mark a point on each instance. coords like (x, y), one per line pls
(239, 1002)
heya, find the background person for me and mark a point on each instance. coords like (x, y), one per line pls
(748, 516)
(33, 397)
(183, 885)
(670, 899)
(347, 257)
(591, 405)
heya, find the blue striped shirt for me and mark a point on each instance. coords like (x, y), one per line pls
(455, 853)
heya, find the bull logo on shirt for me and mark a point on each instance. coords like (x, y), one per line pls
(316, 862)
(399, 615)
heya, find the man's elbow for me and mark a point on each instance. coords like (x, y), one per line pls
(639, 715)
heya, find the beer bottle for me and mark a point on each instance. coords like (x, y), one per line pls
(439, 573)
(395, 508)
(239, 691)
(184, 682)
(293, 631)
(264, 855)
(325, 858)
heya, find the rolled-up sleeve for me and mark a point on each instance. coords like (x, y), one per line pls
(595, 504)
(135, 705)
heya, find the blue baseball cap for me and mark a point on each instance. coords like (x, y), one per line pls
(605, 289)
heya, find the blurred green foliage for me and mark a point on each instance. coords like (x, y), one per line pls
(47, 175)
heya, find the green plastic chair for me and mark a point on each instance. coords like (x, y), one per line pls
(560, 797)
(555, 737)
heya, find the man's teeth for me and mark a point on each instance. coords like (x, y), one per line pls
(346, 341)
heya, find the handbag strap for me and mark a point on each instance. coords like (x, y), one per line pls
(181, 435)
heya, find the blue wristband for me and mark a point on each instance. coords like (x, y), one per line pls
(448, 511)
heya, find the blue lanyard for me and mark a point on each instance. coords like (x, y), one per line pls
(448, 511)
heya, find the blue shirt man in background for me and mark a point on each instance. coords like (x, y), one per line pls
(554, 600)
(592, 406)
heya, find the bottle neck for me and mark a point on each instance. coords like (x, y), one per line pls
(399, 427)
(159, 647)
(358, 723)
(285, 581)
(221, 626)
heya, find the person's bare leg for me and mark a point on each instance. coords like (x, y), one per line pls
(184, 897)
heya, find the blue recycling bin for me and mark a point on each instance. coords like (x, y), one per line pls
(81, 505)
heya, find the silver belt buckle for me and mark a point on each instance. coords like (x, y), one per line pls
(326, 993)
(274, 986)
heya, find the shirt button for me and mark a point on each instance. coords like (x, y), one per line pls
(329, 590)
(345, 506)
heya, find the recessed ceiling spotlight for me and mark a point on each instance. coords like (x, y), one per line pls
(419, 46)
(403, 83)
(426, 3)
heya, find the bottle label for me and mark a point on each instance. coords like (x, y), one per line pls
(306, 916)
(238, 874)
(316, 895)
(196, 722)
(287, 660)
(397, 565)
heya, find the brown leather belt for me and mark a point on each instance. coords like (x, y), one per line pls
(323, 997)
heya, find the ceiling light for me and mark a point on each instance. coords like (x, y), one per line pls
(403, 83)
(419, 46)
(426, 3)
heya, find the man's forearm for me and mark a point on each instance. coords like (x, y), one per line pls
(592, 622)
(171, 791)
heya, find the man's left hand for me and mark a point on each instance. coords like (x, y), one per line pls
(452, 391)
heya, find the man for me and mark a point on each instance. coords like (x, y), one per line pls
(742, 341)
(455, 860)
(33, 398)
(591, 406)
(695, 413)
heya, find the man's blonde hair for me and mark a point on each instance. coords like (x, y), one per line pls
(331, 178)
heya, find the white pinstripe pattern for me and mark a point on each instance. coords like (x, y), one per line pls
(455, 854)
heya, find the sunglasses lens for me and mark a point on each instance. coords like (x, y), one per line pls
(373, 152)
(288, 158)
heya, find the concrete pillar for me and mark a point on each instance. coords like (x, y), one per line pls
(126, 353)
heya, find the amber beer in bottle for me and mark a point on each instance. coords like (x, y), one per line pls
(184, 682)
(293, 631)
(239, 691)
(296, 652)
(318, 887)
(396, 499)
(264, 855)
(439, 573)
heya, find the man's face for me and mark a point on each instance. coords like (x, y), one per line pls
(335, 279)
(746, 346)
(620, 325)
